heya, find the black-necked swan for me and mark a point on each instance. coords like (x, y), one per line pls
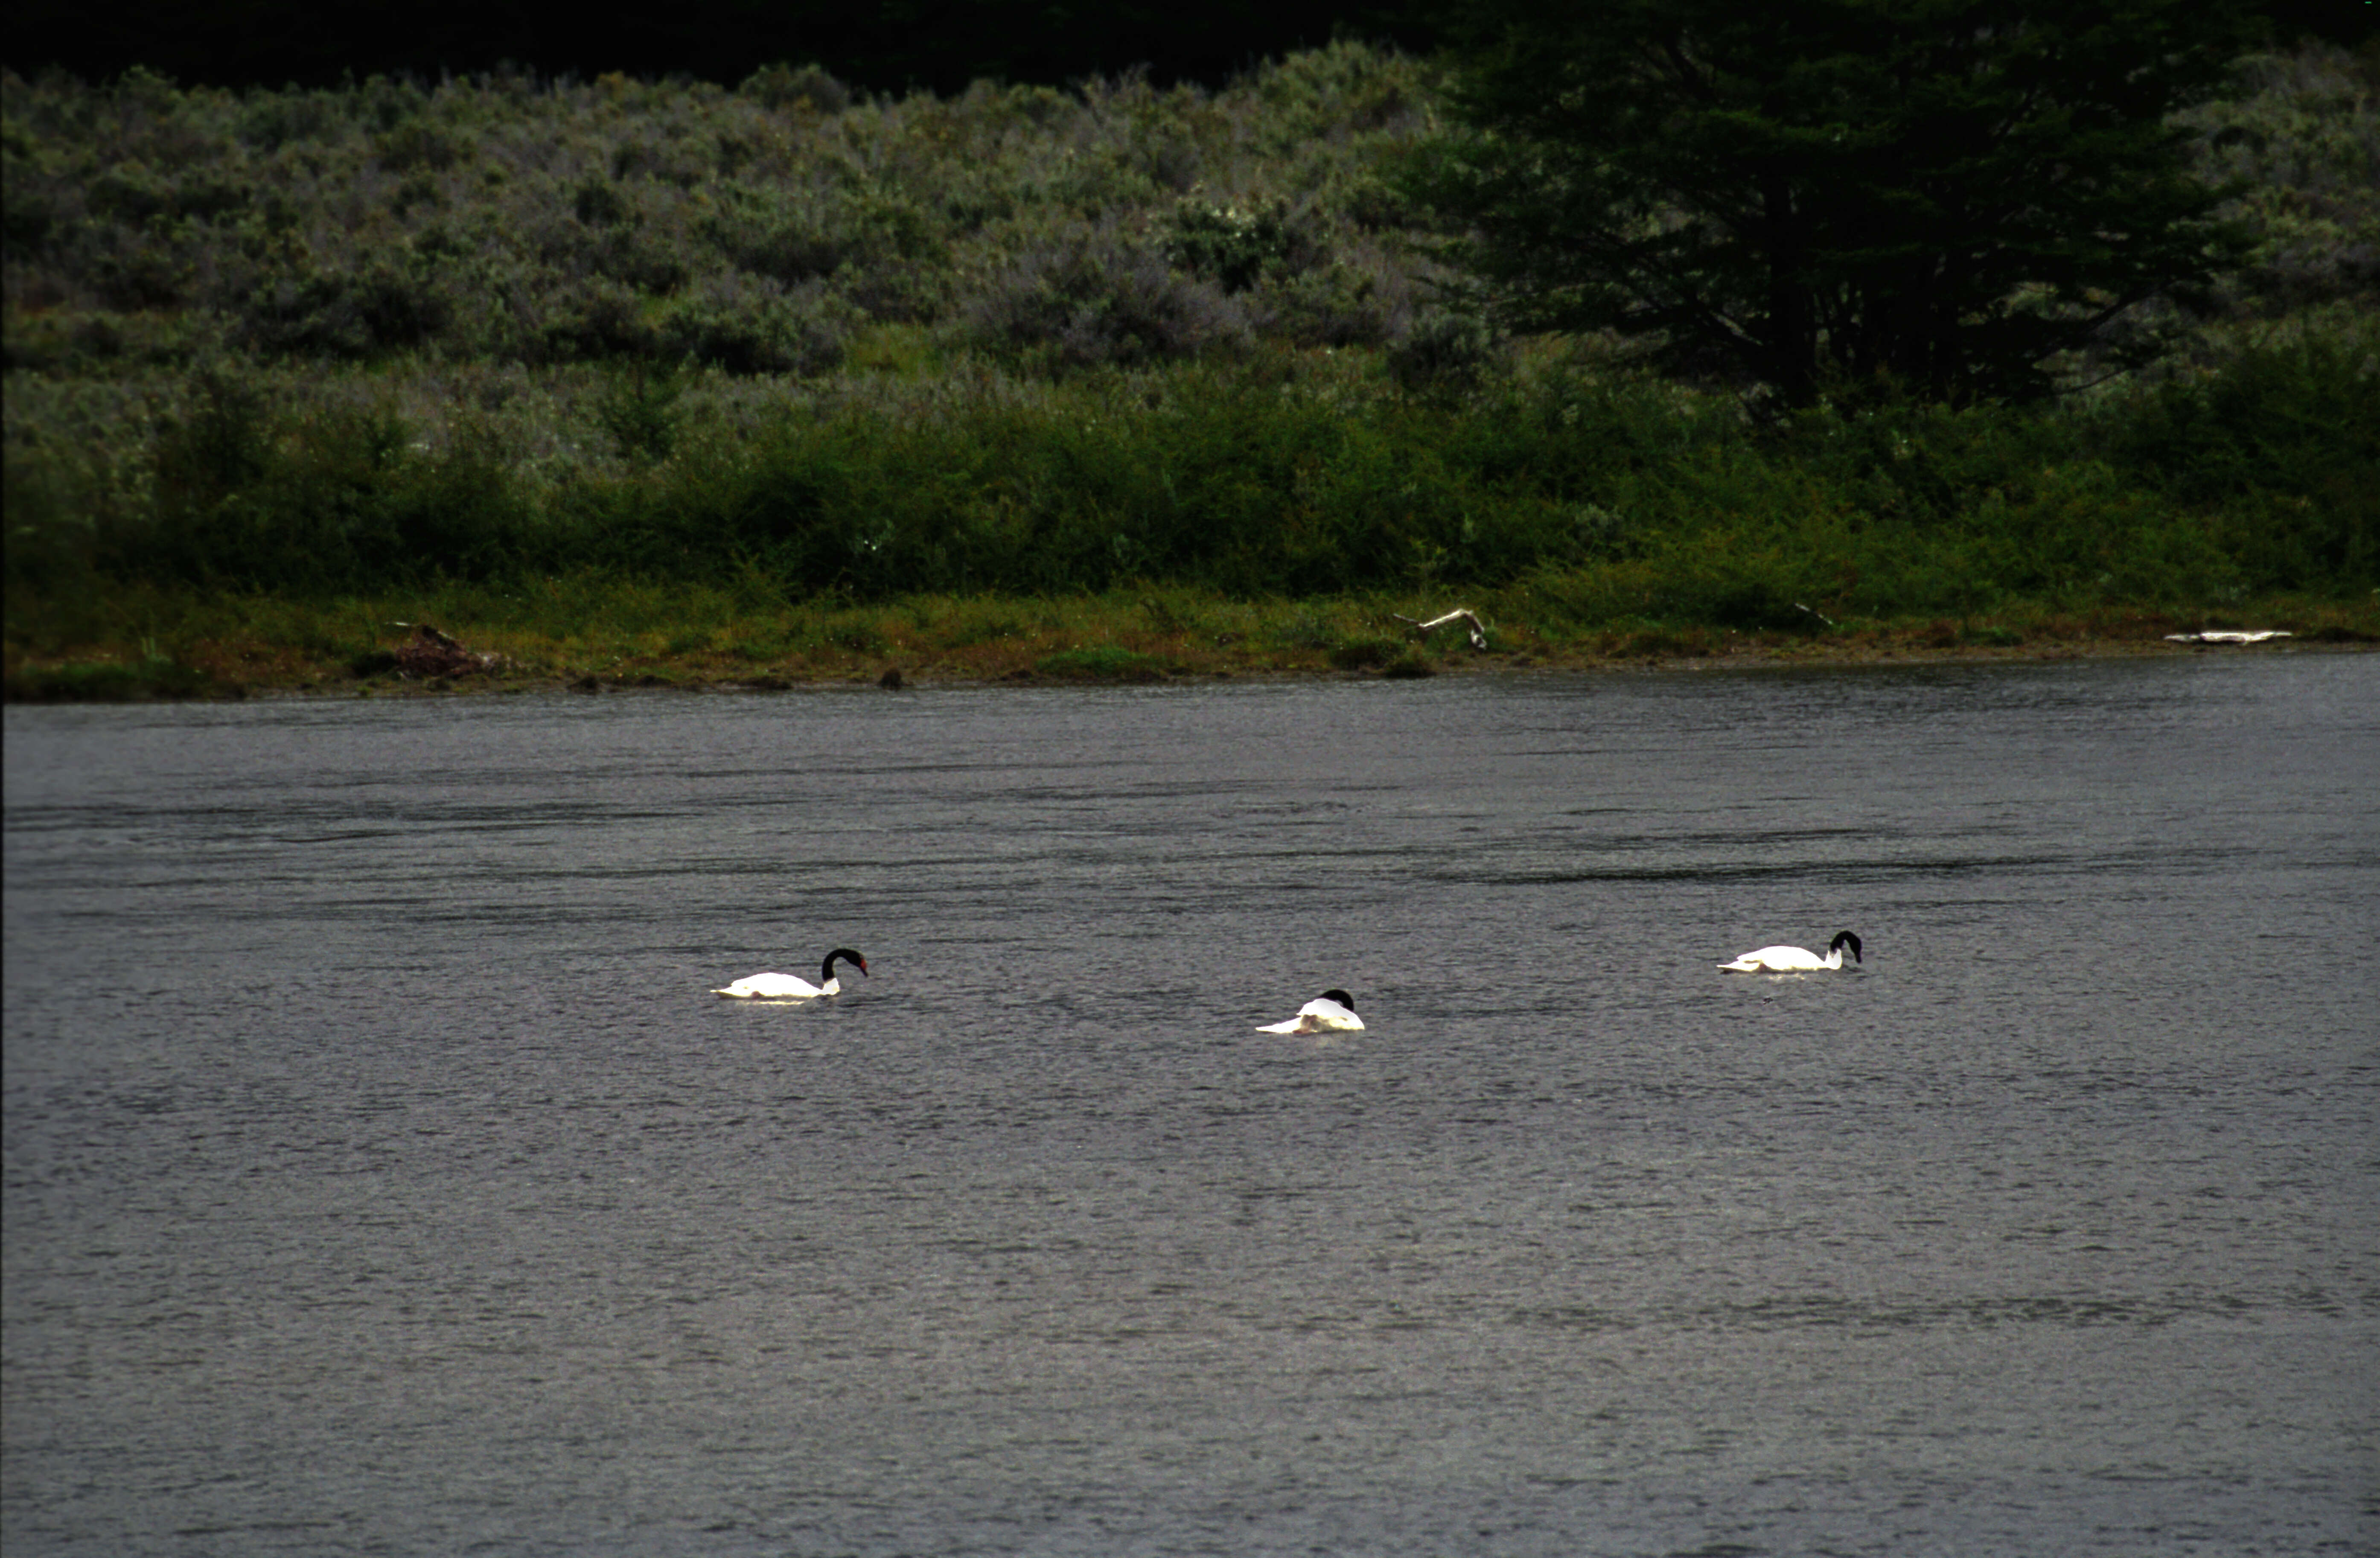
(1333, 1011)
(1795, 959)
(786, 987)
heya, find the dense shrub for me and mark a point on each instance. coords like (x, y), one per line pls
(596, 318)
(1608, 500)
(782, 86)
(334, 499)
(1444, 351)
(471, 217)
(749, 324)
(2287, 439)
(1231, 247)
(2301, 149)
(789, 341)
(1358, 301)
(1092, 296)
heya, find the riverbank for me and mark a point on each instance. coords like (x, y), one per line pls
(161, 645)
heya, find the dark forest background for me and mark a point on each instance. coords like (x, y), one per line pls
(889, 46)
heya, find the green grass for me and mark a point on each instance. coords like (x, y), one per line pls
(110, 681)
(1102, 662)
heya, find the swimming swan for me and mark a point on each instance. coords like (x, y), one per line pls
(1333, 1011)
(784, 987)
(1794, 959)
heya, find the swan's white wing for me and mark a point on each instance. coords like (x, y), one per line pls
(1775, 960)
(1323, 1014)
(775, 987)
(1320, 1015)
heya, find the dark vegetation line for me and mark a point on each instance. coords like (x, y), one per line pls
(798, 343)
(882, 45)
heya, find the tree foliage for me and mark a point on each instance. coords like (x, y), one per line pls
(1937, 192)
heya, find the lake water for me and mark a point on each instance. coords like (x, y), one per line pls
(380, 1176)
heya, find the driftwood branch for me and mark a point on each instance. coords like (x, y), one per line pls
(1459, 614)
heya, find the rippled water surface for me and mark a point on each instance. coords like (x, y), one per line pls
(382, 1177)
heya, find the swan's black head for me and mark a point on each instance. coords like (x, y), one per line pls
(826, 969)
(1341, 997)
(1845, 939)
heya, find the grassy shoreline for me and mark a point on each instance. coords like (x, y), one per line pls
(174, 645)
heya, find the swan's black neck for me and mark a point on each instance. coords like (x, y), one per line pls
(1341, 997)
(826, 969)
(1845, 939)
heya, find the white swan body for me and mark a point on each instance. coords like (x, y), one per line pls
(1333, 1011)
(786, 987)
(1795, 959)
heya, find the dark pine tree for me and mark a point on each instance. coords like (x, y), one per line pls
(1930, 194)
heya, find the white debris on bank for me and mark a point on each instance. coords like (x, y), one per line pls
(1459, 614)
